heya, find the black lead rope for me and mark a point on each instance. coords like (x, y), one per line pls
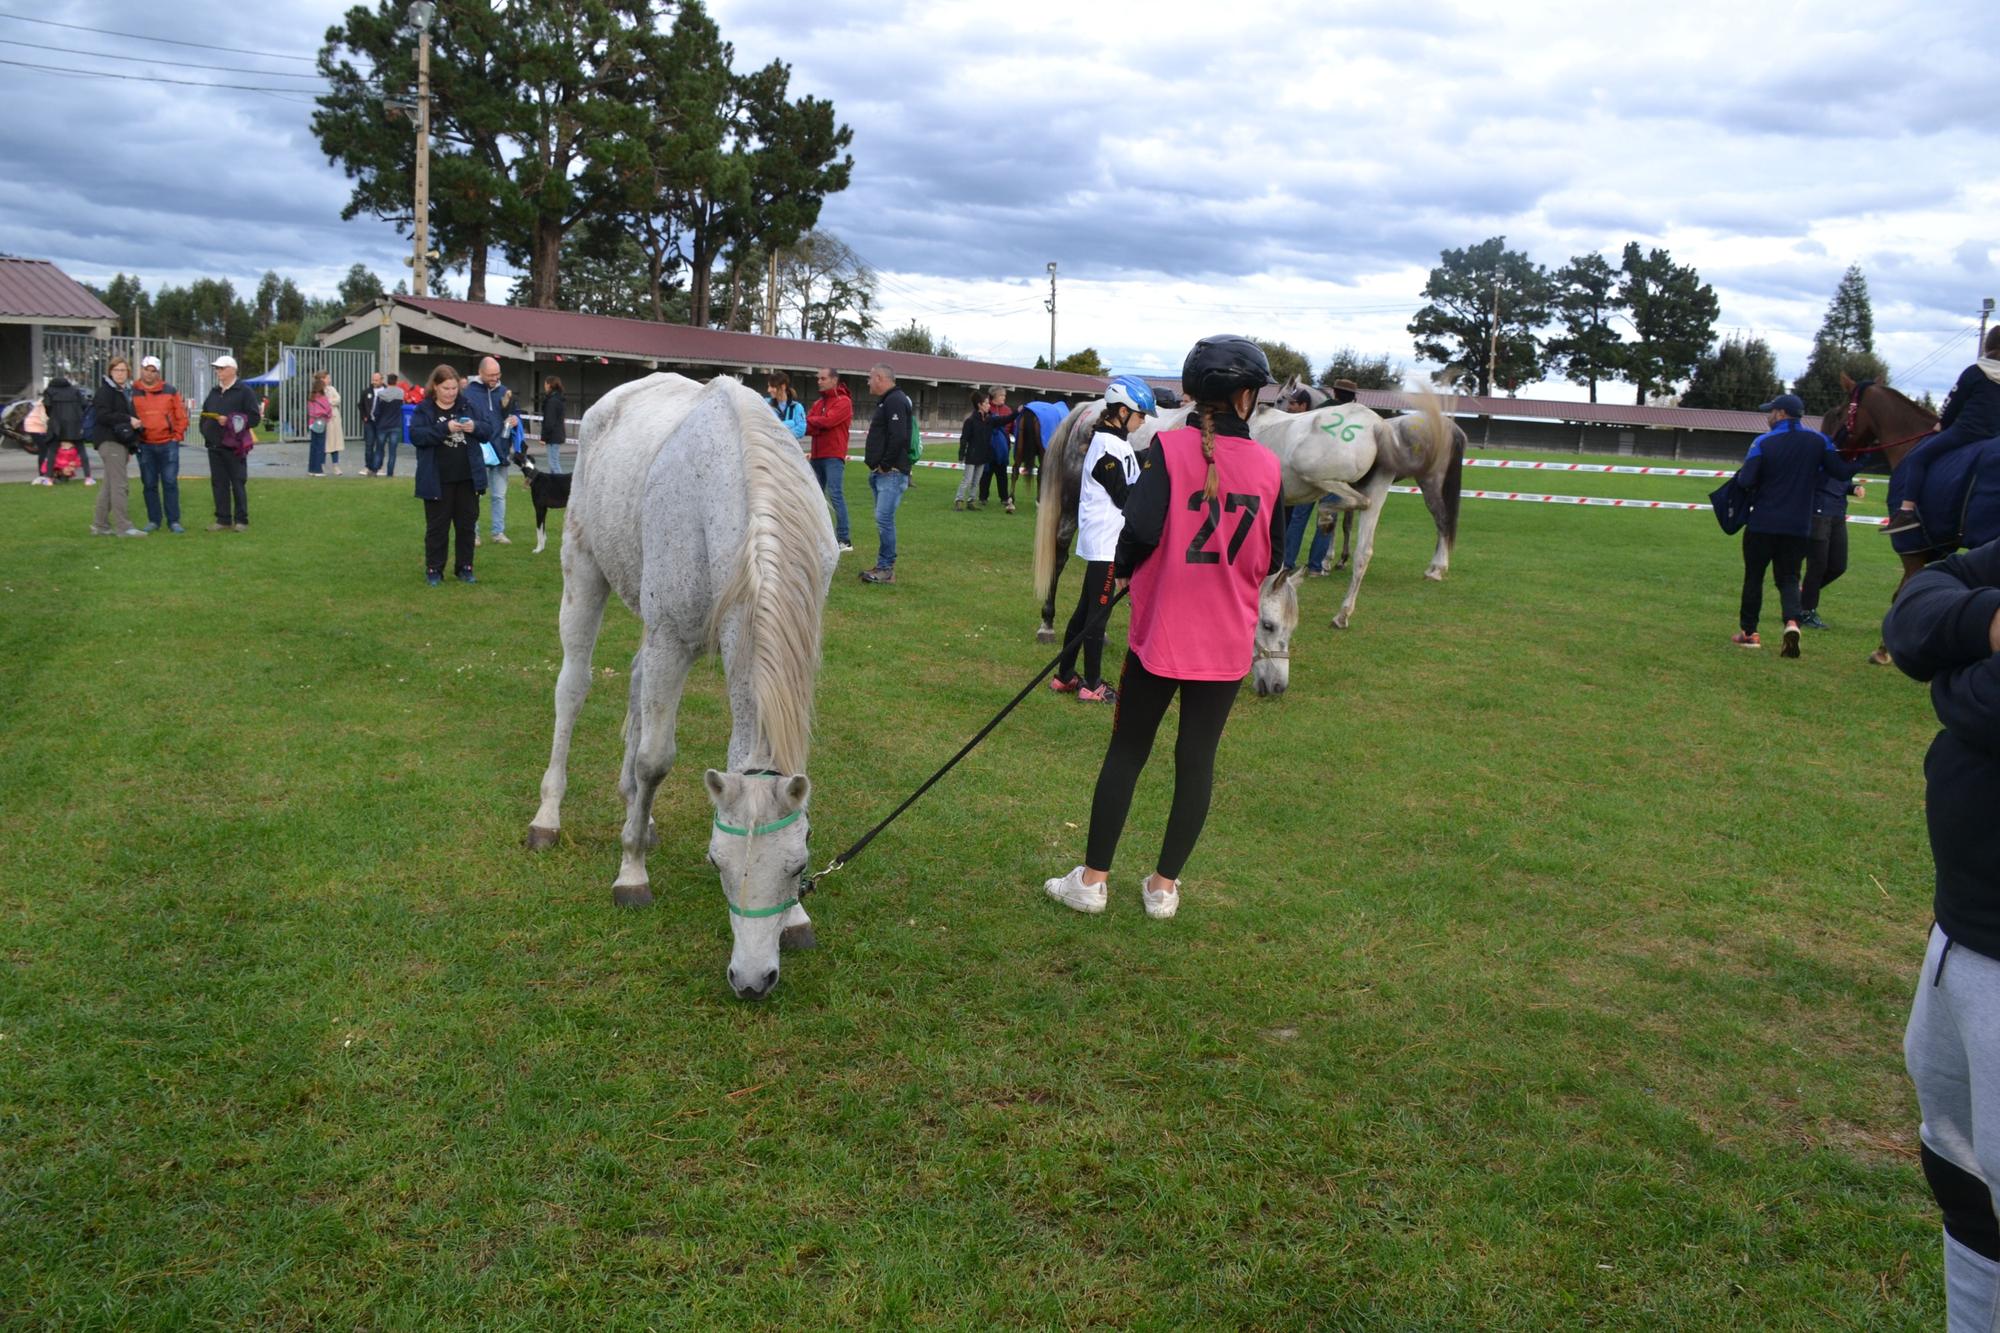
(809, 883)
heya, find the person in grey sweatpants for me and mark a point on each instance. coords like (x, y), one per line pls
(1945, 629)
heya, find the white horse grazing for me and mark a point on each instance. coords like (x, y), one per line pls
(693, 504)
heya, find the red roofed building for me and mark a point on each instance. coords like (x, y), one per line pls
(36, 295)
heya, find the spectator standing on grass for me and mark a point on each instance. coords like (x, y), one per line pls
(1826, 558)
(385, 417)
(318, 410)
(1110, 470)
(1945, 629)
(62, 404)
(1194, 612)
(488, 397)
(778, 396)
(975, 453)
(163, 424)
(889, 466)
(229, 416)
(116, 432)
(1000, 422)
(447, 433)
(336, 432)
(1781, 478)
(371, 438)
(555, 424)
(829, 421)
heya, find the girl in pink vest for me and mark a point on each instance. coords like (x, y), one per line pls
(1203, 526)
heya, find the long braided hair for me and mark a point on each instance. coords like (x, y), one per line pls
(1214, 486)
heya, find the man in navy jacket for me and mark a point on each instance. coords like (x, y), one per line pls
(1945, 629)
(1782, 477)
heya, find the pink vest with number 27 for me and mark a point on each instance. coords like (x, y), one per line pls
(1194, 600)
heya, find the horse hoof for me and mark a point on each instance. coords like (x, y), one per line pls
(1434, 575)
(1880, 658)
(798, 938)
(631, 895)
(539, 838)
(1340, 622)
(1045, 635)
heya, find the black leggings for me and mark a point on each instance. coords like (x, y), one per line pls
(1092, 614)
(454, 513)
(1827, 560)
(1142, 701)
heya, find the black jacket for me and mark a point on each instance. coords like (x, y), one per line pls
(553, 424)
(385, 408)
(63, 402)
(237, 398)
(1146, 506)
(974, 444)
(1940, 631)
(1782, 477)
(1972, 408)
(111, 415)
(443, 455)
(889, 434)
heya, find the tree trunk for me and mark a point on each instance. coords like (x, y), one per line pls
(545, 263)
(1593, 388)
(735, 291)
(475, 282)
(702, 256)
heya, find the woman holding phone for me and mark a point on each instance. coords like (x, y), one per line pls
(451, 475)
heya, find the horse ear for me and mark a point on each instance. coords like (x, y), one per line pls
(717, 784)
(797, 788)
(1846, 382)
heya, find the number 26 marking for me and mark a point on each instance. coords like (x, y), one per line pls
(1249, 505)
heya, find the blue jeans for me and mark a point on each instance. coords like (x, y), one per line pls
(496, 496)
(555, 459)
(829, 471)
(888, 488)
(316, 452)
(1295, 532)
(160, 477)
(371, 447)
(390, 439)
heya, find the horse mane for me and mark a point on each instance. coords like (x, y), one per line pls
(1903, 398)
(777, 583)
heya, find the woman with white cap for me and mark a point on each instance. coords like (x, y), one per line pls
(228, 416)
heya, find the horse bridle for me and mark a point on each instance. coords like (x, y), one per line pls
(758, 830)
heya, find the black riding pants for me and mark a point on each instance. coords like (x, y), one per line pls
(1142, 702)
(1783, 556)
(1827, 560)
(456, 511)
(1092, 614)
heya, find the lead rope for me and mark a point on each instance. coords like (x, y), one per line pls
(808, 884)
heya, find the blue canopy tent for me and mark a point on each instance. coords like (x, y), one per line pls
(287, 367)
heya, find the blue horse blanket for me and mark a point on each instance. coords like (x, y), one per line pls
(1960, 501)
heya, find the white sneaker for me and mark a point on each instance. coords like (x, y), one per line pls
(1072, 892)
(1160, 904)
(501, 539)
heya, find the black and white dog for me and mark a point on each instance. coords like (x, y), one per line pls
(550, 491)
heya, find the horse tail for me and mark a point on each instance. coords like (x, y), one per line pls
(1437, 434)
(777, 586)
(1048, 505)
(1454, 480)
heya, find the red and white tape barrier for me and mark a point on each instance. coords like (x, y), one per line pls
(1531, 498)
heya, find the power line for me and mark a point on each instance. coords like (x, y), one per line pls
(142, 78)
(144, 37)
(155, 60)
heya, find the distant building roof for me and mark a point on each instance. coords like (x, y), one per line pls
(565, 332)
(37, 289)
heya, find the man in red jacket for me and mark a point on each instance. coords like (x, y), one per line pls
(827, 422)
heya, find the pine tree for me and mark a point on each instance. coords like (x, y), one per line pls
(1737, 375)
(1457, 327)
(1586, 295)
(1673, 315)
(1844, 345)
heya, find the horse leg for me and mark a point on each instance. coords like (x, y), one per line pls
(1346, 539)
(1364, 543)
(585, 590)
(660, 672)
(627, 779)
(1913, 564)
(1432, 486)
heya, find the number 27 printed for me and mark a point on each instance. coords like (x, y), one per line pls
(1249, 505)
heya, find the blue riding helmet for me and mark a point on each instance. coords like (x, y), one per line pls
(1134, 393)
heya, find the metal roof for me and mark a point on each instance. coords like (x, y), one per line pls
(565, 332)
(35, 288)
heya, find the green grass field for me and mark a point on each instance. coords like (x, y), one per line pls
(1544, 964)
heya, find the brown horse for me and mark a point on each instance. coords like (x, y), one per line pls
(1879, 420)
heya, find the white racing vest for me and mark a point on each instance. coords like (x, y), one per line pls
(1098, 519)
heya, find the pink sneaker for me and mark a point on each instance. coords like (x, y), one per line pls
(1103, 694)
(1061, 686)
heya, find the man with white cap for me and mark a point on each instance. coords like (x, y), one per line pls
(228, 416)
(163, 424)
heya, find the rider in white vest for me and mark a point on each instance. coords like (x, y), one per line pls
(1109, 470)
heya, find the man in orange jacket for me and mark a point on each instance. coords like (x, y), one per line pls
(163, 424)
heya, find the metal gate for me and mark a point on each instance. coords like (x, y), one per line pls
(82, 359)
(349, 370)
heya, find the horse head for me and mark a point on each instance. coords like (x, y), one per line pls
(1277, 617)
(758, 846)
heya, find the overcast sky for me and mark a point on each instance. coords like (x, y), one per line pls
(1292, 178)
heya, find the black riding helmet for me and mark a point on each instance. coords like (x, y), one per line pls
(1220, 365)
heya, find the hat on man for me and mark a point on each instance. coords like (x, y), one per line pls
(1346, 386)
(1789, 403)
(224, 360)
(149, 363)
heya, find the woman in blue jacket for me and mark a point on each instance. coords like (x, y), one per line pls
(778, 393)
(451, 475)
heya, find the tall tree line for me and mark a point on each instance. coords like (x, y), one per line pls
(608, 144)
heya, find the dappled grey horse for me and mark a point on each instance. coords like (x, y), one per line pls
(692, 503)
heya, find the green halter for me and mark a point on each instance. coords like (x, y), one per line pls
(757, 830)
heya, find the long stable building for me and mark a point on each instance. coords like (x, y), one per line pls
(593, 354)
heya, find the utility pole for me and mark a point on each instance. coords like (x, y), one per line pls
(421, 14)
(771, 299)
(1493, 343)
(1985, 313)
(1051, 305)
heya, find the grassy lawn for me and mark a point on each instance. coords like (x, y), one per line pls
(1544, 964)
